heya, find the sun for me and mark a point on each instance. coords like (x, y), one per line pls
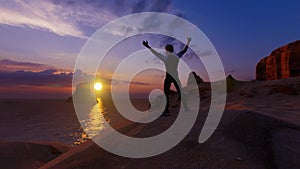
(98, 86)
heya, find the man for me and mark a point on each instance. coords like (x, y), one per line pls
(171, 61)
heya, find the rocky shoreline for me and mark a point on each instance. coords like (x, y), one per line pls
(260, 128)
(244, 139)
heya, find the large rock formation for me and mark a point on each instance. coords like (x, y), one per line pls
(283, 62)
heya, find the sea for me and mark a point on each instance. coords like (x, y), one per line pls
(55, 120)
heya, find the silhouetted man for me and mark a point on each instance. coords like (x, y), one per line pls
(171, 61)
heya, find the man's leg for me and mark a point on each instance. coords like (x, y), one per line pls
(181, 96)
(167, 85)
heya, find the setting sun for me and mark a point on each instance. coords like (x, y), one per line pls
(98, 86)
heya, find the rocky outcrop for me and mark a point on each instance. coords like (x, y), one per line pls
(197, 78)
(25, 155)
(83, 94)
(283, 62)
(231, 83)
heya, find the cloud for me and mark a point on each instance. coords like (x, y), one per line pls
(82, 77)
(40, 15)
(34, 74)
(7, 65)
(161, 6)
(72, 17)
(88, 13)
(44, 78)
(192, 55)
(121, 82)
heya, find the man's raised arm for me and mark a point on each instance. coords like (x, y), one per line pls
(159, 55)
(180, 54)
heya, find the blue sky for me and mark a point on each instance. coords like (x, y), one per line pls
(245, 31)
(52, 32)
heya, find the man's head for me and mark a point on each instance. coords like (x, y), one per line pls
(169, 48)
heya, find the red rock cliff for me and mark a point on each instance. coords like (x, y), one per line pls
(283, 62)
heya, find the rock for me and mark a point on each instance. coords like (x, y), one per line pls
(191, 75)
(29, 155)
(246, 94)
(84, 95)
(230, 77)
(238, 158)
(70, 99)
(284, 89)
(283, 62)
(203, 88)
(231, 82)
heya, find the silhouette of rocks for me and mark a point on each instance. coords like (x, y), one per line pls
(202, 87)
(191, 75)
(283, 62)
(83, 94)
(230, 77)
(231, 83)
(70, 99)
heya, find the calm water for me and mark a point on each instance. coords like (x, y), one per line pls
(56, 120)
(47, 120)
(92, 122)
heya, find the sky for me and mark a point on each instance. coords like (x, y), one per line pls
(42, 39)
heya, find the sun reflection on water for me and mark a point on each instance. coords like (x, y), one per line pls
(93, 123)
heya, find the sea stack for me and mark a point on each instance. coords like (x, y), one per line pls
(83, 94)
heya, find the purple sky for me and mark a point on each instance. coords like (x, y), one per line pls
(52, 32)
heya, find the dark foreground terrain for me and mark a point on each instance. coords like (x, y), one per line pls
(259, 129)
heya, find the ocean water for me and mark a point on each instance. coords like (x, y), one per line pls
(39, 120)
(56, 120)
